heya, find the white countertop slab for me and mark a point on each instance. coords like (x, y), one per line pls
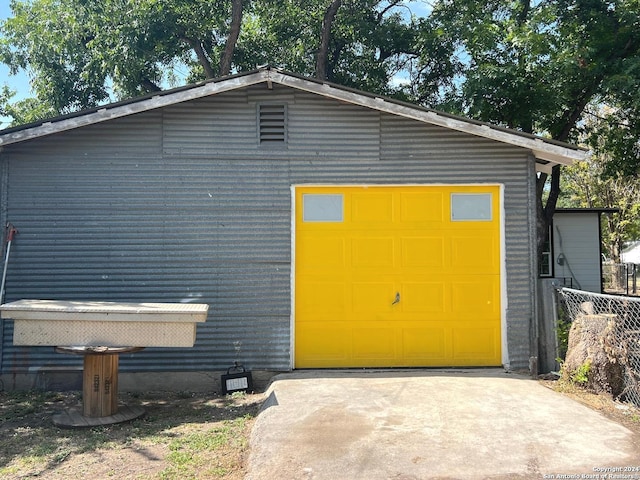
(104, 311)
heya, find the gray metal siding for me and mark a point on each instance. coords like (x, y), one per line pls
(182, 204)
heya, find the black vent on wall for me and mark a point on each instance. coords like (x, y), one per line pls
(272, 120)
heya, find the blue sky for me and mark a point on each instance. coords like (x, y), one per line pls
(20, 82)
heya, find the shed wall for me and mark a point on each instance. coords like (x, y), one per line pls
(183, 205)
(576, 249)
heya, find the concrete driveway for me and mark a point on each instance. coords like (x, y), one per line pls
(431, 424)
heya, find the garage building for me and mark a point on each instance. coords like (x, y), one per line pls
(325, 227)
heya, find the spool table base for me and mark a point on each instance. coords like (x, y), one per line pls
(99, 390)
(73, 417)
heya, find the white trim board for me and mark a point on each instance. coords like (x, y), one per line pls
(543, 149)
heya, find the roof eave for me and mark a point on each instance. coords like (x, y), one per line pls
(548, 152)
(130, 108)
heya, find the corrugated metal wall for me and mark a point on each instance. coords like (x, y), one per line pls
(182, 204)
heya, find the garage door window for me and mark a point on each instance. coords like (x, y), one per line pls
(471, 207)
(322, 208)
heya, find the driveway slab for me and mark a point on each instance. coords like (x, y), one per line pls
(431, 424)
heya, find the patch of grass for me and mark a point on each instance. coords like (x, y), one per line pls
(20, 404)
(183, 435)
(197, 449)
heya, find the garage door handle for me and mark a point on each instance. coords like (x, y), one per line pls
(397, 300)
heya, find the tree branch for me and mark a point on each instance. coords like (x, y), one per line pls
(384, 11)
(149, 86)
(554, 193)
(325, 37)
(203, 59)
(571, 117)
(232, 38)
(524, 13)
(335, 55)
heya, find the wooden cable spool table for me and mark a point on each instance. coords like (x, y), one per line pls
(99, 389)
(97, 330)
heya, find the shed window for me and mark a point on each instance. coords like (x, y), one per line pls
(272, 119)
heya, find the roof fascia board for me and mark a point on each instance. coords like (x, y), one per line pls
(544, 168)
(541, 149)
(157, 101)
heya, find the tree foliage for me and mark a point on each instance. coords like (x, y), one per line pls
(586, 186)
(356, 43)
(537, 65)
(592, 184)
(81, 53)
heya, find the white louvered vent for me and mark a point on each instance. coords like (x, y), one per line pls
(273, 124)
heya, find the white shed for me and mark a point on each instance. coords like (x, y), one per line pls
(577, 247)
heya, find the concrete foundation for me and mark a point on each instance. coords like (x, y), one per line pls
(65, 379)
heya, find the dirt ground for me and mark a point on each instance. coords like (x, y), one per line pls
(623, 413)
(182, 436)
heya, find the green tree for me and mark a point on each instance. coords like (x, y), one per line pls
(586, 185)
(80, 53)
(593, 184)
(536, 66)
(24, 111)
(356, 43)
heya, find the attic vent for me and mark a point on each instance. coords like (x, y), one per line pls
(272, 120)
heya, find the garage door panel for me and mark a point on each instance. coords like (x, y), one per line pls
(476, 346)
(374, 344)
(422, 207)
(424, 346)
(399, 241)
(477, 298)
(421, 252)
(471, 254)
(372, 252)
(371, 208)
(323, 340)
(312, 301)
(373, 299)
(425, 298)
(321, 252)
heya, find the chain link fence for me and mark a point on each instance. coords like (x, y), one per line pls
(621, 278)
(625, 312)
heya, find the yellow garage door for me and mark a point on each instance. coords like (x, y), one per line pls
(397, 276)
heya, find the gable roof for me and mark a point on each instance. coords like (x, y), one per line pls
(546, 151)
